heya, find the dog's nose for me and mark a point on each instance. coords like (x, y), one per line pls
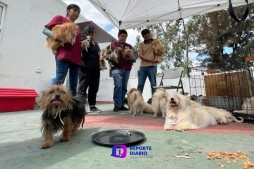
(57, 96)
(172, 99)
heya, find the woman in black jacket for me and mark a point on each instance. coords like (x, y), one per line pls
(89, 76)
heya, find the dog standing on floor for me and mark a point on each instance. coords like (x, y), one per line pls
(136, 102)
(181, 116)
(61, 111)
(159, 102)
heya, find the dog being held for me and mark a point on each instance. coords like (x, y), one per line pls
(102, 62)
(181, 116)
(61, 34)
(159, 102)
(136, 102)
(128, 53)
(61, 111)
(113, 57)
(158, 50)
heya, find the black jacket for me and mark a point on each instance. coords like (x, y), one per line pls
(90, 58)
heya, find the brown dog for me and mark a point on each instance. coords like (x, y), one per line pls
(136, 102)
(60, 112)
(64, 33)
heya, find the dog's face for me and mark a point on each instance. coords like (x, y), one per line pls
(55, 98)
(178, 101)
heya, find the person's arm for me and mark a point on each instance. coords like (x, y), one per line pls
(142, 57)
(46, 31)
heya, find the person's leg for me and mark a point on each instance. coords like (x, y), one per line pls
(84, 79)
(152, 72)
(93, 88)
(61, 71)
(73, 76)
(118, 78)
(142, 75)
(125, 84)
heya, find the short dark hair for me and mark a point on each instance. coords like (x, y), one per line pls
(89, 30)
(73, 6)
(144, 32)
(122, 31)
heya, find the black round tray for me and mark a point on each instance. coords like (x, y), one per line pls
(110, 138)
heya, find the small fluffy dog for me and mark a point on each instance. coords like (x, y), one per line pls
(159, 102)
(158, 50)
(87, 42)
(113, 57)
(136, 102)
(103, 55)
(181, 116)
(60, 112)
(64, 33)
(220, 115)
(128, 53)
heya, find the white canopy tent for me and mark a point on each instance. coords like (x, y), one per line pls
(127, 14)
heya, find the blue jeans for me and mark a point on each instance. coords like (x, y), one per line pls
(62, 68)
(121, 78)
(145, 72)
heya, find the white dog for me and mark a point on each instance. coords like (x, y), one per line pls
(181, 116)
(136, 102)
(159, 102)
(220, 115)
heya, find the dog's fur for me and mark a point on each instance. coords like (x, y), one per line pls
(128, 53)
(64, 33)
(158, 50)
(103, 55)
(181, 116)
(61, 111)
(136, 102)
(220, 115)
(114, 56)
(159, 102)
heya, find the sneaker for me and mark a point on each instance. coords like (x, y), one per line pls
(116, 109)
(94, 110)
(123, 108)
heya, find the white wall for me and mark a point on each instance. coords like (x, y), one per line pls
(22, 45)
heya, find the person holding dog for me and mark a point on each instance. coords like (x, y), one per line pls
(68, 56)
(149, 61)
(89, 75)
(120, 71)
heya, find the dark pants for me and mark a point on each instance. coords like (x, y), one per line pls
(89, 78)
(62, 68)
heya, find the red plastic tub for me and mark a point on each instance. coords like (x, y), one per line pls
(13, 99)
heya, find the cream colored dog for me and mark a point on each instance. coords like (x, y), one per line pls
(159, 102)
(64, 33)
(220, 115)
(136, 102)
(181, 116)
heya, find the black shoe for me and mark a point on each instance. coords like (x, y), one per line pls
(123, 108)
(94, 110)
(116, 109)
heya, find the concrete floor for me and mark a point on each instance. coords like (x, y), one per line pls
(20, 139)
